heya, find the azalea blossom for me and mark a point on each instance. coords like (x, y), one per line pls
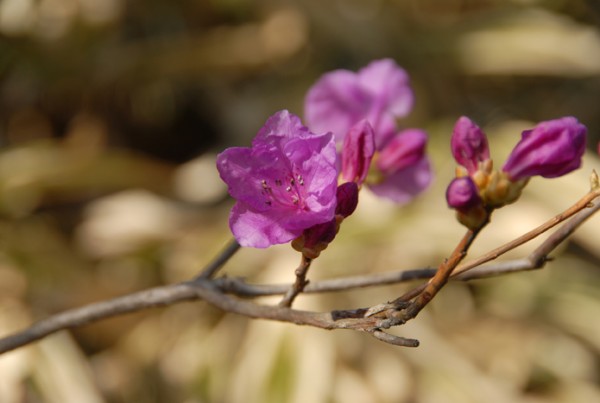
(342, 101)
(285, 183)
(379, 93)
(402, 169)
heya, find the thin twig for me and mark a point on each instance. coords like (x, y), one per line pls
(537, 258)
(159, 296)
(237, 286)
(299, 284)
(395, 340)
(581, 204)
(215, 265)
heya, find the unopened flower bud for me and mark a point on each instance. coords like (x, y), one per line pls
(552, 148)
(357, 152)
(463, 196)
(315, 239)
(347, 199)
(469, 144)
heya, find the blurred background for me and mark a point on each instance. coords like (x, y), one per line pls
(111, 114)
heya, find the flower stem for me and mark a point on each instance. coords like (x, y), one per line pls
(299, 284)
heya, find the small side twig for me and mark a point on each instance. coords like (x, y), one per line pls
(583, 204)
(215, 265)
(536, 259)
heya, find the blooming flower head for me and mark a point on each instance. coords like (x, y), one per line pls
(285, 183)
(379, 93)
(351, 105)
(552, 148)
(401, 169)
(402, 151)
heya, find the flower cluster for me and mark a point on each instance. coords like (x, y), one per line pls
(552, 148)
(348, 103)
(296, 184)
(286, 184)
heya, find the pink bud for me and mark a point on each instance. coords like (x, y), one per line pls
(462, 194)
(357, 152)
(469, 144)
(347, 199)
(552, 148)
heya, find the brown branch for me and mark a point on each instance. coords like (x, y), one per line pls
(160, 296)
(237, 286)
(437, 282)
(356, 319)
(536, 259)
(582, 204)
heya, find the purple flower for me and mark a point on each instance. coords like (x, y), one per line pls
(405, 149)
(403, 167)
(552, 148)
(462, 194)
(285, 183)
(357, 152)
(380, 93)
(469, 144)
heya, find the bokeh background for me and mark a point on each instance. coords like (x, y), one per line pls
(111, 114)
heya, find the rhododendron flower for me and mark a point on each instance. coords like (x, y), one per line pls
(469, 144)
(405, 149)
(402, 169)
(552, 148)
(379, 93)
(285, 183)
